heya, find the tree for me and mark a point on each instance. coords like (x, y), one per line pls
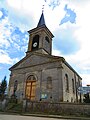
(86, 98)
(3, 87)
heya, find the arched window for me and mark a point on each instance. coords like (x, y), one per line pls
(67, 83)
(35, 42)
(47, 39)
(49, 83)
(15, 85)
(73, 85)
(31, 77)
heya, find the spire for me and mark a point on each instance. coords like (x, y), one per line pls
(41, 21)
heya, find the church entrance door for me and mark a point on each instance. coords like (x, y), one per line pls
(30, 88)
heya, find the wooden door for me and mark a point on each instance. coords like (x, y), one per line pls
(30, 89)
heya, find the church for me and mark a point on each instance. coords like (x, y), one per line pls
(41, 76)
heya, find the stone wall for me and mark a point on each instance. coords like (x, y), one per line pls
(70, 95)
(58, 108)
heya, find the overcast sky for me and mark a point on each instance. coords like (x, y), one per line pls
(68, 20)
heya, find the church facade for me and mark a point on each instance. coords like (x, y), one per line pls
(40, 76)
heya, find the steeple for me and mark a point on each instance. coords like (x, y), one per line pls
(40, 38)
(41, 21)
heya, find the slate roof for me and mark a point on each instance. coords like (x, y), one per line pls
(41, 21)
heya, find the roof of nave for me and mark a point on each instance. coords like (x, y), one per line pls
(52, 57)
(45, 56)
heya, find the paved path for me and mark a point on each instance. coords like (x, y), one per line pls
(18, 117)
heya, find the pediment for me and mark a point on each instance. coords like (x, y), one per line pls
(34, 59)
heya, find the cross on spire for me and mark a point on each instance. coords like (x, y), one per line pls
(43, 8)
(41, 20)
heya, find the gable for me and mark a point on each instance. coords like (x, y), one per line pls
(33, 60)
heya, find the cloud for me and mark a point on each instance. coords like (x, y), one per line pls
(23, 13)
(4, 33)
(54, 3)
(71, 40)
(69, 16)
(12, 41)
(80, 59)
(86, 79)
(1, 14)
(66, 41)
(56, 52)
(5, 59)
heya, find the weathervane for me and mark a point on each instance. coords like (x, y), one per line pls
(43, 8)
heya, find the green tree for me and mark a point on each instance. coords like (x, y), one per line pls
(3, 88)
(86, 98)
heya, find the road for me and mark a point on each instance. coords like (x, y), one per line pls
(18, 117)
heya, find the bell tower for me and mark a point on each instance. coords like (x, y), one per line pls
(40, 38)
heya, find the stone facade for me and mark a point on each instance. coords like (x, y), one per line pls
(40, 76)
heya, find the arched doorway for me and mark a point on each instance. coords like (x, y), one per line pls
(30, 87)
